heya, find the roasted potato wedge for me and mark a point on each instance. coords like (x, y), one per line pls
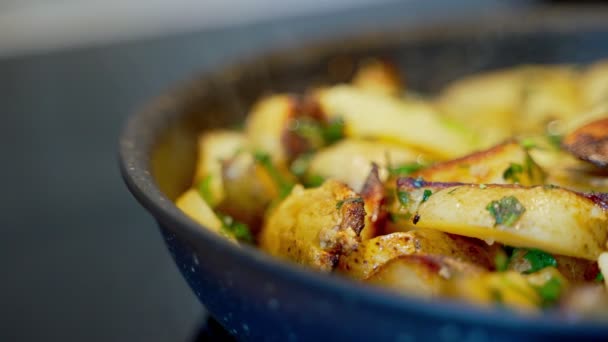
(213, 148)
(314, 227)
(505, 163)
(193, 205)
(373, 115)
(350, 160)
(372, 254)
(552, 219)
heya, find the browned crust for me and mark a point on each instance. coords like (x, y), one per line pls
(590, 142)
(374, 196)
(472, 158)
(409, 183)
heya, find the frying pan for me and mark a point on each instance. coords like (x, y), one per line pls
(257, 297)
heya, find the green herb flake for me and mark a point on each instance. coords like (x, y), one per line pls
(453, 190)
(283, 185)
(512, 172)
(300, 165)
(506, 211)
(339, 204)
(425, 196)
(237, 229)
(313, 181)
(333, 131)
(482, 186)
(538, 260)
(555, 140)
(528, 143)
(403, 197)
(599, 277)
(405, 169)
(204, 189)
(549, 292)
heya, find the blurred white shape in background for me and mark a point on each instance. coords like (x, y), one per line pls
(36, 25)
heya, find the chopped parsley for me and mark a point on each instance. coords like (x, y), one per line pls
(204, 189)
(339, 204)
(528, 143)
(405, 169)
(549, 292)
(513, 172)
(300, 165)
(283, 184)
(237, 229)
(555, 140)
(425, 196)
(403, 197)
(538, 260)
(482, 186)
(599, 277)
(506, 211)
(313, 181)
(333, 131)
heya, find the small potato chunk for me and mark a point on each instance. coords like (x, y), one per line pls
(506, 163)
(350, 160)
(193, 205)
(380, 77)
(248, 190)
(552, 219)
(313, 227)
(415, 124)
(423, 276)
(267, 123)
(374, 253)
(213, 147)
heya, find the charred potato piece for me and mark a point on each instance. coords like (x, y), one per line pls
(374, 198)
(506, 163)
(378, 76)
(590, 142)
(373, 254)
(415, 124)
(350, 160)
(314, 227)
(193, 205)
(549, 218)
(213, 147)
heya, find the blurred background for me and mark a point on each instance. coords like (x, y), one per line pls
(80, 259)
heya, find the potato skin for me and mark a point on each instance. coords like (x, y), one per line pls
(555, 220)
(313, 227)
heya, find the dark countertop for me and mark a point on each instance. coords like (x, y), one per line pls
(81, 259)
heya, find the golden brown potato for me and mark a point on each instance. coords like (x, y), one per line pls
(213, 147)
(549, 218)
(193, 205)
(505, 163)
(379, 76)
(416, 124)
(248, 189)
(374, 197)
(350, 160)
(315, 226)
(373, 254)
